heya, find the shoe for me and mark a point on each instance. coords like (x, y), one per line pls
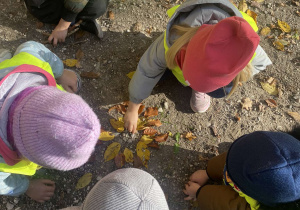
(4, 54)
(199, 102)
(93, 27)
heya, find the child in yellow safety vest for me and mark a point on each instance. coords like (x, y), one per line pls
(209, 45)
(261, 170)
(41, 125)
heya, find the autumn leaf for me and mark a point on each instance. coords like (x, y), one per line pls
(90, 74)
(39, 24)
(120, 160)
(246, 103)
(106, 136)
(84, 181)
(242, 6)
(143, 152)
(161, 137)
(70, 62)
(265, 31)
(150, 131)
(111, 15)
(140, 124)
(117, 124)
(79, 34)
(79, 54)
(137, 162)
(237, 117)
(284, 26)
(128, 155)
(270, 86)
(252, 14)
(295, 115)
(271, 103)
(130, 74)
(151, 111)
(152, 122)
(141, 109)
(278, 45)
(189, 135)
(146, 139)
(154, 145)
(119, 107)
(111, 151)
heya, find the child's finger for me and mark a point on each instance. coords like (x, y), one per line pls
(190, 182)
(185, 192)
(48, 181)
(188, 198)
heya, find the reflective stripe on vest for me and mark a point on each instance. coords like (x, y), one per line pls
(24, 167)
(26, 58)
(177, 72)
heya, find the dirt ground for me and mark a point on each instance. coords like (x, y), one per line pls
(126, 38)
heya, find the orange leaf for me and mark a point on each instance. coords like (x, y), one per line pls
(125, 103)
(111, 15)
(141, 109)
(150, 131)
(154, 123)
(89, 74)
(119, 107)
(271, 103)
(120, 160)
(154, 145)
(189, 135)
(151, 111)
(161, 137)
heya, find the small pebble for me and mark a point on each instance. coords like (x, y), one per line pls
(166, 105)
(160, 110)
(9, 206)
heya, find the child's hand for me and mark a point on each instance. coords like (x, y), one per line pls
(40, 190)
(191, 190)
(131, 117)
(68, 81)
(200, 177)
(60, 32)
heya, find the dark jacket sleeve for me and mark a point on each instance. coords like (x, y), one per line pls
(215, 167)
(72, 8)
(220, 197)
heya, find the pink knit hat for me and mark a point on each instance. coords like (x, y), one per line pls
(217, 53)
(52, 128)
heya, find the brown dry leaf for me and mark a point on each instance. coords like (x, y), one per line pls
(106, 136)
(252, 14)
(143, 152)
(141, 109)
(111, 15)
(237, 117)
(146, 139)
(150, 131)
(120, 160)
(84, 181)
(151, 111)
(137, 162)
(295, 115)
(117, 124)
(39, 24)
(242, 6)
(278, 45)
(128, 155)
(70, 62)
(189, 135)
(284, 26)
(90, 75)
(246, 103)
(201, 158)
(265, 31)
(111, 151)
(79, 54)
(156, 123)
(119, 107)
(130, 74)
(154, 145)
(271, 103)
(161, 137)
(79, 34)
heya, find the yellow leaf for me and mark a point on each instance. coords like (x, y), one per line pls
(70, 62)
(106, 136)
(84, 181)
(130, 74)
(278, 45)
(128, 155)
(284, 26)
(140, 124)
(252, 14)
(270, 88)
(111, 151)
(265, 31)
(146, 139)
(117, 124)
(143, 152)
(243, 6)
(189, 135)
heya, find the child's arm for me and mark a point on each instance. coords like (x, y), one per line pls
(13, 184)
(260, 61)
(41, 52)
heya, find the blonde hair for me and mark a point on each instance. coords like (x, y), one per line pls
(186, 33)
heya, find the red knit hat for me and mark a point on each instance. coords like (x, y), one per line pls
(217, 53)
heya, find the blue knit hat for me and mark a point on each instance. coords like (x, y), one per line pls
(266, 166)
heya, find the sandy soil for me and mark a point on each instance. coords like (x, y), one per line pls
(126, 38)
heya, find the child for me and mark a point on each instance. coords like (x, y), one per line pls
(208, 46)
(127, 189)
(261, 169)
(40, 124)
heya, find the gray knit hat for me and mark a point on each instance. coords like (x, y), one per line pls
(126, 189)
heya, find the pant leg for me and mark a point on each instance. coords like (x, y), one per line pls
(47, 11)
(93, 9)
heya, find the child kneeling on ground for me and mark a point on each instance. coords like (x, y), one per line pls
(261, 170)
(40, 125)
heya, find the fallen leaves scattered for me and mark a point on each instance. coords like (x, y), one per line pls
(111, 15)
(246, 103)
(265, 31)
(150, 131)
(151, 112)
(284, 26)
(270, 86)
(137, 162)
(120, 160)
(117, 124)
(111, 151)
(70, 62)
(128, 155)
(189, 135)
(119, 107)
(271, 103)
(106, 136)
(143, 153)
(155, 122)
(146, 139)
(154, 144)
(90, 74)
(295, 115)
(84, 181)
(130, 74)
(161, 137)
(141, 109)
(278, 45)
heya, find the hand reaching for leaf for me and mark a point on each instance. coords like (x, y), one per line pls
(68, 80)
(190, 190)
(60, 32)
(131, 117)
